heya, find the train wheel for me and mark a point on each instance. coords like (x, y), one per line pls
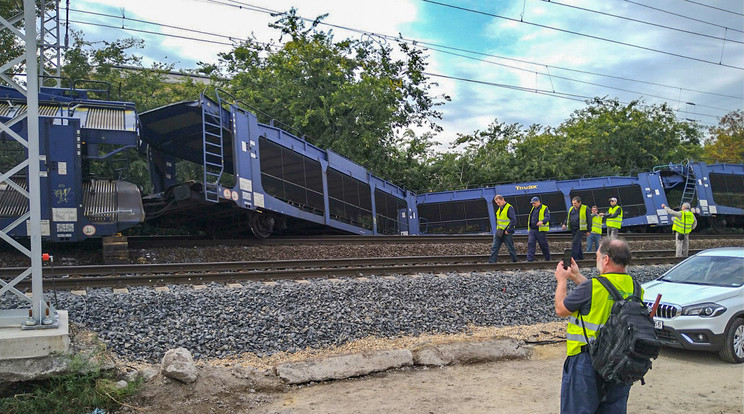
(262, 225)
(717, 224)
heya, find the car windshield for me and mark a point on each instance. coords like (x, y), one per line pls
(709, 270)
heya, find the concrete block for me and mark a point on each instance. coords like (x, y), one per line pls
(78, 292)
(162, 289)
(34, 353)
(199, 287)
(16, 343)
(470, 352)
(121, 290)
(234, 285)
(343, 366)
(302, 282)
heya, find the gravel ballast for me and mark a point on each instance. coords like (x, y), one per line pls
(264, 319)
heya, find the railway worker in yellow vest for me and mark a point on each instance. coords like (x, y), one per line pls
(588, 306)
(538, 226)
(506, 219)
(614, 218)
(592, 242)
(577, 221)
(683, 223)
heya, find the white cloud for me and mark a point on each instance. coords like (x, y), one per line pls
(474, 106)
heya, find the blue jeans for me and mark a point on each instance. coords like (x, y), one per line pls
(509, 242)
(579, 393)
(593, 240)
(540, 238)
(577, 252)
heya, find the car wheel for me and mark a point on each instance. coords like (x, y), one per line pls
(733, 345)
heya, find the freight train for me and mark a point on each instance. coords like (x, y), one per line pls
(77, 134)
(214, 168)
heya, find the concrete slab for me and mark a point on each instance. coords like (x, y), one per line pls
(234, 285)
(79, 292)
(162, 289)
(470, 352)
(199, 287)
(16, 343)
(123, 291)
(343, 366)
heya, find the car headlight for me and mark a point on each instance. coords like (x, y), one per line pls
(705, 310)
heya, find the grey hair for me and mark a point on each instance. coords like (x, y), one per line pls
(686, 206)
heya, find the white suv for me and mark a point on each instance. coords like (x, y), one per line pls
(702, 303)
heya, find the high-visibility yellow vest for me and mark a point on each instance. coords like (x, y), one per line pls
(502, 218)
(582, 217)
(540, 217)
(683, 224)
(615, 222)
(597, 224)
(599, 312)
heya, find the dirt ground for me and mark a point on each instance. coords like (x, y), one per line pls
(680, 381)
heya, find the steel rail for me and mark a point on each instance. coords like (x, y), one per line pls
(140, 242)
(165, 268)
(308, 273)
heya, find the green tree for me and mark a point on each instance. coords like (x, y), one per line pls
(350, 96)
(726, 140)
(608, 137)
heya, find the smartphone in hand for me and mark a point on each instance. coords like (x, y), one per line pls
(566, 258)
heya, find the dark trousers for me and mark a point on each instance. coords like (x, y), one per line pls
(541, 238)
(577, 252)
(508, 241)
(579, 393)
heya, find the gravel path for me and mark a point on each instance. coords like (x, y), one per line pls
(264, 319)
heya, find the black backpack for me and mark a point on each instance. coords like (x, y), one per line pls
(627, 342)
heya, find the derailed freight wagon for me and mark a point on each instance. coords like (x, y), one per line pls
(76, 132)
(716, 193)
(258, 177)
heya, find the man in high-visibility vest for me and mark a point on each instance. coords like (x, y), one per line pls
(592, 242)
(683, 223)
(506, 219)
(614, 218)
(589, 305)
(538, 225)
(577, 221)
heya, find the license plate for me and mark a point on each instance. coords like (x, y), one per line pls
(658, 324)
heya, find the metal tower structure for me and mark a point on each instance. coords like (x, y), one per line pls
(39, 314)
(50, 57)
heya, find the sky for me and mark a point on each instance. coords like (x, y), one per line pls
(509, 61)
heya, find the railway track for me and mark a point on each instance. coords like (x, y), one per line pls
(81, 277)
(144, 242)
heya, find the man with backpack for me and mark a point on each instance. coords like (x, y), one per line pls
(591, 307)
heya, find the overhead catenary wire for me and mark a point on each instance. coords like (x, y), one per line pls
(683, 16)
(573, 32)
(551, 76)
(416, 42)
(630, 19)
(714, 7)
(399, 38)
